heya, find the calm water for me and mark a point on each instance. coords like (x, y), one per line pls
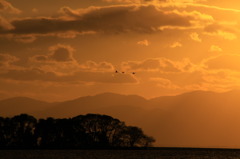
(121, 154)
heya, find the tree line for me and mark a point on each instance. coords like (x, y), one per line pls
(80, 132)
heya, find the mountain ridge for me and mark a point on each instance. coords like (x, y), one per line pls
(105, 100)
(110, 93)
(175, 121)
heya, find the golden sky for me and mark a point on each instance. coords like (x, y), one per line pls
(56, 50)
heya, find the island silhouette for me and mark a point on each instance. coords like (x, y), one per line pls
(91, 131)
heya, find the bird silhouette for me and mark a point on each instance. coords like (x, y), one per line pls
(125, 72)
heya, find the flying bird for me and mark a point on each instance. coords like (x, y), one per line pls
(124, 72)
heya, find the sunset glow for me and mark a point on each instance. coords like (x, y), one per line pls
(70, 48)
(59, 50)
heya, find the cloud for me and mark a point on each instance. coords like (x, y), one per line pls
(175, 45)
(164, 83)
(195, 37)
(58, 53)
(22, 38)
(29, 38)
(34, 74)
(109, 19)
(61, 53)
(220, 76)
(5, 25)
(218, 73)
(153, 1)
(60, 59)
(225, 30)
(6, 60)
(205, 6)
(220, 80)
(71, 34)
(158, 65)
(123, 1)
(135, 1)
(144, 43)
(59, 66)
(146, 65)
(223, 62)
(215, 48)
(7, 7)
(223, 34)
(35, 10)
(97, 67)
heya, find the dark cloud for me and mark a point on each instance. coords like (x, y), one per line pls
(61, 53)
(111, 19)
(58, 53)
(40, 58)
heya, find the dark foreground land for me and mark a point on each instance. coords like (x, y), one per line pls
(122, 154)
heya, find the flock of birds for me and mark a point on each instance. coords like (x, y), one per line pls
(124, 72)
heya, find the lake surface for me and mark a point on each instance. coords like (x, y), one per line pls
(122, 154)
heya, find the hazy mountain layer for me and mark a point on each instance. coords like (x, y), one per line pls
(195, 119)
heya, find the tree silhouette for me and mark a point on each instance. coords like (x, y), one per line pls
(16, 131)
(24, 126)
(83, 131)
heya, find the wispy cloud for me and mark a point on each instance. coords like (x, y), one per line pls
(195, 37)
(8, 7)
(176, 44)
(215, 48)
(144, 43)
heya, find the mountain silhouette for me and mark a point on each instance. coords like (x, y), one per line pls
(193, 119)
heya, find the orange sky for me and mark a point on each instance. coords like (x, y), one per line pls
(63, 49)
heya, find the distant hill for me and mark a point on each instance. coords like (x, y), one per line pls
(207, 118)
(103, 103)
(13, 106)
(3, 96)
